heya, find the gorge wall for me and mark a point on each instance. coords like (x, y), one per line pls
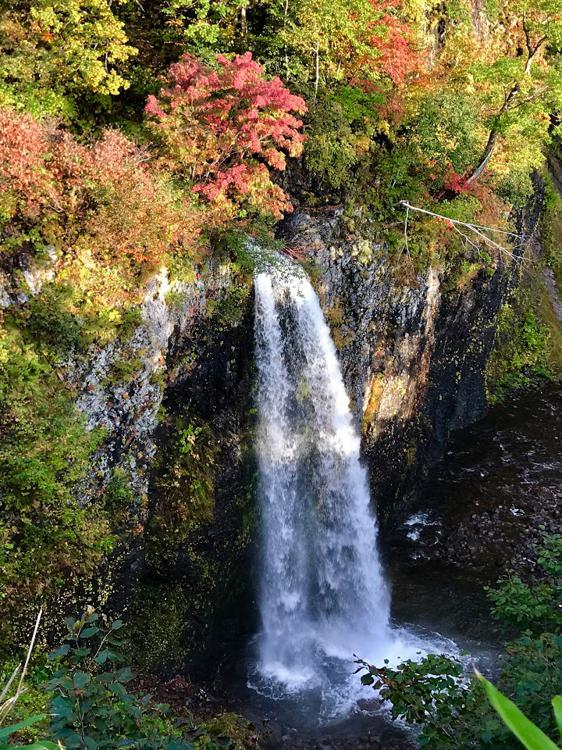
(414, 353)
(175, 400)
(414, 347)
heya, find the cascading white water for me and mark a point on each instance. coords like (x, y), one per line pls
(322, 593)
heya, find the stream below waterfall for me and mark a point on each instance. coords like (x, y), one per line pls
(326, 591)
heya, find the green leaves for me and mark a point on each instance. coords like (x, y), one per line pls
(89, 632)
(525, 731)
(45, 449)
(455, 711)
(533, 608)
(62, 707)
(92, 709)
(557, 706)
(5, 732)
(419, 692)
(61, 651)
(80, 680)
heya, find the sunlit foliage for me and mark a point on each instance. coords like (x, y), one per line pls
(107, 198)
(225, 128)
(54, 50)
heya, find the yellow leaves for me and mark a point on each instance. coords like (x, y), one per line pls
(114, 316)
(43, 19)
(470, 87)
(4, 346)
(76, 45)
(385, 128)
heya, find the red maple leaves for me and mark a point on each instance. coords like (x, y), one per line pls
(23, 145)
(227, 128)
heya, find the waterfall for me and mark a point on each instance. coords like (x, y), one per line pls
(322, 593)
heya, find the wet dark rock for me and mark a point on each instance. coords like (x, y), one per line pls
(496, 494)
(200, 529)
(413, 349)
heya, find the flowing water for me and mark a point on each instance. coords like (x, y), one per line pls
(322, 597)
(323, 594)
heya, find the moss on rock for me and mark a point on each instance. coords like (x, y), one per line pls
(525, 344)
(157, 624)
(201, 520)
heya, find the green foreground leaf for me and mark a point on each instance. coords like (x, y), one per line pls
(557, 706)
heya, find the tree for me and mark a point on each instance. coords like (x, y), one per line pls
(362, 41)
(225, 128)
(525, 81)
(207, 26)
(52, 51)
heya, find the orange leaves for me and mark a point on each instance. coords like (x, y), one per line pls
(226, 127)
(392, 40)
(23, 169)
(108, 198)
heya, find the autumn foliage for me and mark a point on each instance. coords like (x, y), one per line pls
(26, 182)
(108, 197)
(221, 131)
(226, 128)
(391, 40)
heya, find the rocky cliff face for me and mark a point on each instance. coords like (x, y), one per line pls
(178, 431)
(170, 400)
(413, 350)
(175, 400)
(194, 571)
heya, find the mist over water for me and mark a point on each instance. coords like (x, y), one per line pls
(322, 596)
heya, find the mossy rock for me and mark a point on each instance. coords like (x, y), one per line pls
(157, 618)
(184, 491)
(527, 344)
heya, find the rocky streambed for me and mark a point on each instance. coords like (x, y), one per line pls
(497, 492)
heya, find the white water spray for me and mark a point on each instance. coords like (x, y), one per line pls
(322, 593)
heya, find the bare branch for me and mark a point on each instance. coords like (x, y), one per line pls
(476, 228)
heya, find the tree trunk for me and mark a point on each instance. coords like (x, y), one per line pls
(532, 50)
(492, 137)
(244, 22)
(486, 156)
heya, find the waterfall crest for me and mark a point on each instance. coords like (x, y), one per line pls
(322, 593)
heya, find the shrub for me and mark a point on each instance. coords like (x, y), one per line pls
(48, 542)
(107, 200)
(92, 707)
(521, 348)
(525, 731)
(451, 708)
(533, 608)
